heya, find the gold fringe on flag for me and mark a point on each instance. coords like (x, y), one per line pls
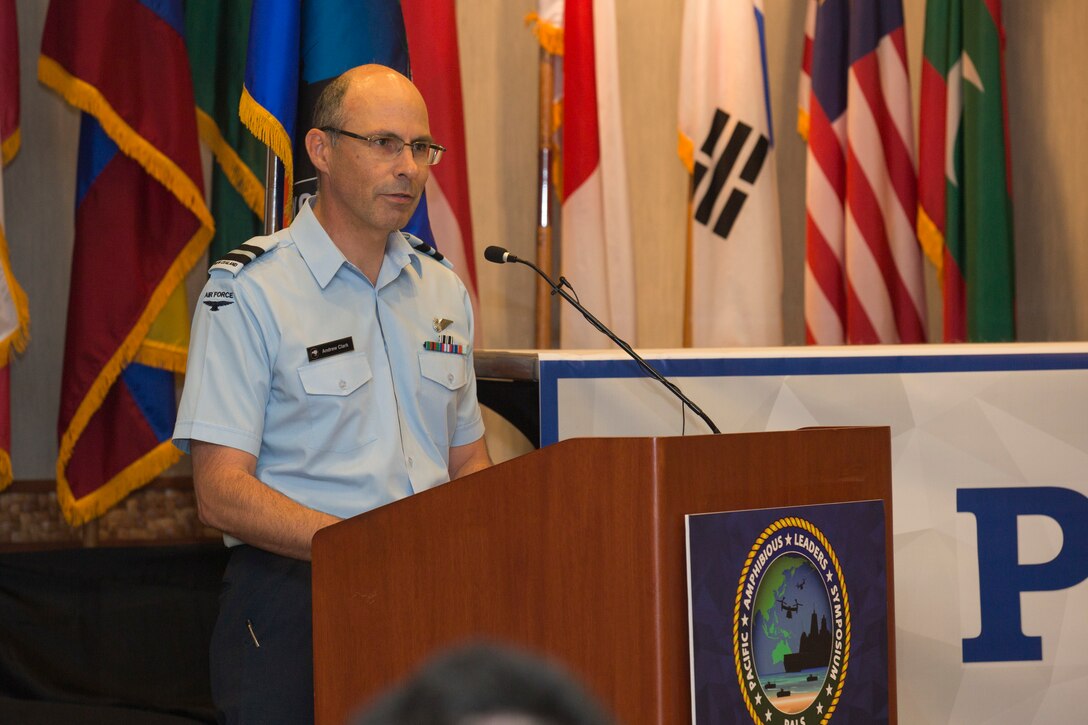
(136, 475)
(133, 349)
(269, 131)
(11, 145)
(804, 123)
(685, 149)
(87, 98)
(931, 239)
(17, 339)
(548, 35)
(240, 175)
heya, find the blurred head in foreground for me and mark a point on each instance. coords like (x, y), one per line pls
(485, 684)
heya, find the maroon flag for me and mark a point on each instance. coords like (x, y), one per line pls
(141, 224)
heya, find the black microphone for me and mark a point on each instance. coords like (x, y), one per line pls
(498, 255)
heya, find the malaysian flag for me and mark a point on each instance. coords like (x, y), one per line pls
(863, 268)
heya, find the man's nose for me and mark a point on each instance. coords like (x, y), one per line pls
(406, 163)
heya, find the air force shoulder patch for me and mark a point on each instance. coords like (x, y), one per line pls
(217, 299)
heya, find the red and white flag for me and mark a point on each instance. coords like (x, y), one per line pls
(597, 252)
(431, 26)
(863, 264)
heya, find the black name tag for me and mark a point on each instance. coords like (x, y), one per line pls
(328, 349)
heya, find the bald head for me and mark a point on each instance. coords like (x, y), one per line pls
(362, 86)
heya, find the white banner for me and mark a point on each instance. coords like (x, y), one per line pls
(990, 494)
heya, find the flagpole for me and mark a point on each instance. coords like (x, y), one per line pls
(273, 192)
(544, 227)
(689, 273)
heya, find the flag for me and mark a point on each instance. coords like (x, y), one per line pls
(9, 81)
(964, 170)
(595, 235)
(141, 224)
(734, 266)
(296, 48)
(14, 314)
(215, 35)
(431, 26)
(863, 272)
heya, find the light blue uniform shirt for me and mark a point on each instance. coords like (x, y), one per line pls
(299, 360)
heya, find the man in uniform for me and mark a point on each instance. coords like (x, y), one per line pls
(330, 372)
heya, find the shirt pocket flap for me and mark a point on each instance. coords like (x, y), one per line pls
(335, 377)
(449, 370)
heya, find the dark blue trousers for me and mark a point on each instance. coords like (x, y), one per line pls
(262, 646)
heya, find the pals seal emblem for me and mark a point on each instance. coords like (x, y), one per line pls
(791, 626)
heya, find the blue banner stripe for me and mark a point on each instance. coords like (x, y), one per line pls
(172, 13)
(766, 84)
(153, 392)
(552, 371)
(96, 150)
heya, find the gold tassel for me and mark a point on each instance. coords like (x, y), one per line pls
(548, 35)
(268, 129)
(11, 146)
(240, 175)
(135, 476)
(931, 239)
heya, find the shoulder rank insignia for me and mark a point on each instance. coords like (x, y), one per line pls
(428, 250)
(243, 255)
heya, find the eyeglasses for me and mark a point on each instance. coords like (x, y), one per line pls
(389, 147)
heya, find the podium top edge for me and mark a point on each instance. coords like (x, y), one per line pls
(507, 364)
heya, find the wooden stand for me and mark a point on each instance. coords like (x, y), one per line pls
(575, 550)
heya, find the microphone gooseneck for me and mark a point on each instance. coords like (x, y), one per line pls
(498, 255)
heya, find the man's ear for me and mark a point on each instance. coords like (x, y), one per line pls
(318, 146)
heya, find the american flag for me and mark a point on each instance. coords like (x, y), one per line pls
(863, 268)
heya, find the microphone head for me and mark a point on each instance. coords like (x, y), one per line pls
(495, 254)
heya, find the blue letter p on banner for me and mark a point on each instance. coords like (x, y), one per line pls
(1002, 577)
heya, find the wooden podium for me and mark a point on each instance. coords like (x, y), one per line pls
(576, 551)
